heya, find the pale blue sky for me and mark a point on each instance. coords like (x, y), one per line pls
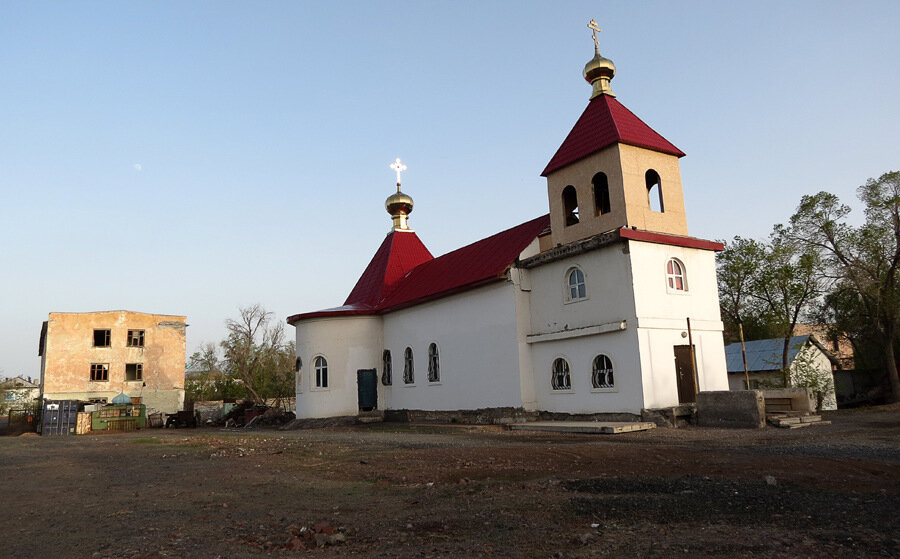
(263, 133)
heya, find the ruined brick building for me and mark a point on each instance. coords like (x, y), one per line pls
(94, 356)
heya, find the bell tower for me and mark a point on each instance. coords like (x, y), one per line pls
(612, 170)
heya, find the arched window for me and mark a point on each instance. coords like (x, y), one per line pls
(654, 191)
(560, 379)
(577, 288)
(675, 276)
(570, 205)
(408, 370)
(601, 193)
(434, 364)
(602, 375)
(386, 367)
(321, 372)
(298, 364)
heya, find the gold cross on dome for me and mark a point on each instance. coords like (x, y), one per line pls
(592, 25)
(399, 167)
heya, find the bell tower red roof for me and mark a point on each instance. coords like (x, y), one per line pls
(603, 123)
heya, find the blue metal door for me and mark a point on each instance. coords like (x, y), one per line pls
(367, 387)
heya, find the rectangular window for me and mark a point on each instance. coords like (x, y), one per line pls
(100, 371)
(101, 338)
(135, 338)
(134, 371)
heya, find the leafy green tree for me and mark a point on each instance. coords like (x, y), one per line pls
(805, 373)
(863, 260)
(788, 282)
(767, 288)
(255, 352)
(209, 381)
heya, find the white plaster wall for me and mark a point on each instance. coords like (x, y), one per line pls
(348, 344)
(658, 363)
(477, 337)
(620, 347)
(608, 286)
(609, 300)
(662, 319)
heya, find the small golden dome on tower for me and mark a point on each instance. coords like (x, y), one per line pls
(599, 70)
(399, 205)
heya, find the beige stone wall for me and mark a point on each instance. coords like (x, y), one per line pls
(625, 167)
(69, 352)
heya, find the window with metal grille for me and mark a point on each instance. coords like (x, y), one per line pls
(434, 364)
(386, 367)
(602, 375)
(560, 375)
(409, 375)
(100, 371)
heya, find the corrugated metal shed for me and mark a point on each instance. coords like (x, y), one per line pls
(762, 355)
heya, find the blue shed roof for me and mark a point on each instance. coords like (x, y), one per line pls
(762, 355)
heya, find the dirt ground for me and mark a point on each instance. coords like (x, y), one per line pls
(395, 490)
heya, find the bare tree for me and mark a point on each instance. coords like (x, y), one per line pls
(256, 353)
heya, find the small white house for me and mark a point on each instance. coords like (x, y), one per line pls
(585, 310)
(808, 362)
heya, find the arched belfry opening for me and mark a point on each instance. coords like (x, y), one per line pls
(654, 191)
(601, 193)
(570, 205)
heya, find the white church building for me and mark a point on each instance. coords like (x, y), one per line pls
(604, 306)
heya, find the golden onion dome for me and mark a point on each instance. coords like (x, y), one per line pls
(598, 72)
(398, 204)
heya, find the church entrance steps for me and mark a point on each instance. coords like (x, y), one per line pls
(598, 427)
(793, 420)
(372, 416)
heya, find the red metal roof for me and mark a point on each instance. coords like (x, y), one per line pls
(604, 122)
(400, 252)
(467, 267)
(390, 283)
(667, 239)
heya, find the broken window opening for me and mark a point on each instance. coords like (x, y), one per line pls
(601, 194)
(100, 372)
(101, 338)
(134, 371)
(654, 191)
(570, 205)
(135, 338)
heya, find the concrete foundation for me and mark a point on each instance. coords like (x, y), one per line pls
(743, 409)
